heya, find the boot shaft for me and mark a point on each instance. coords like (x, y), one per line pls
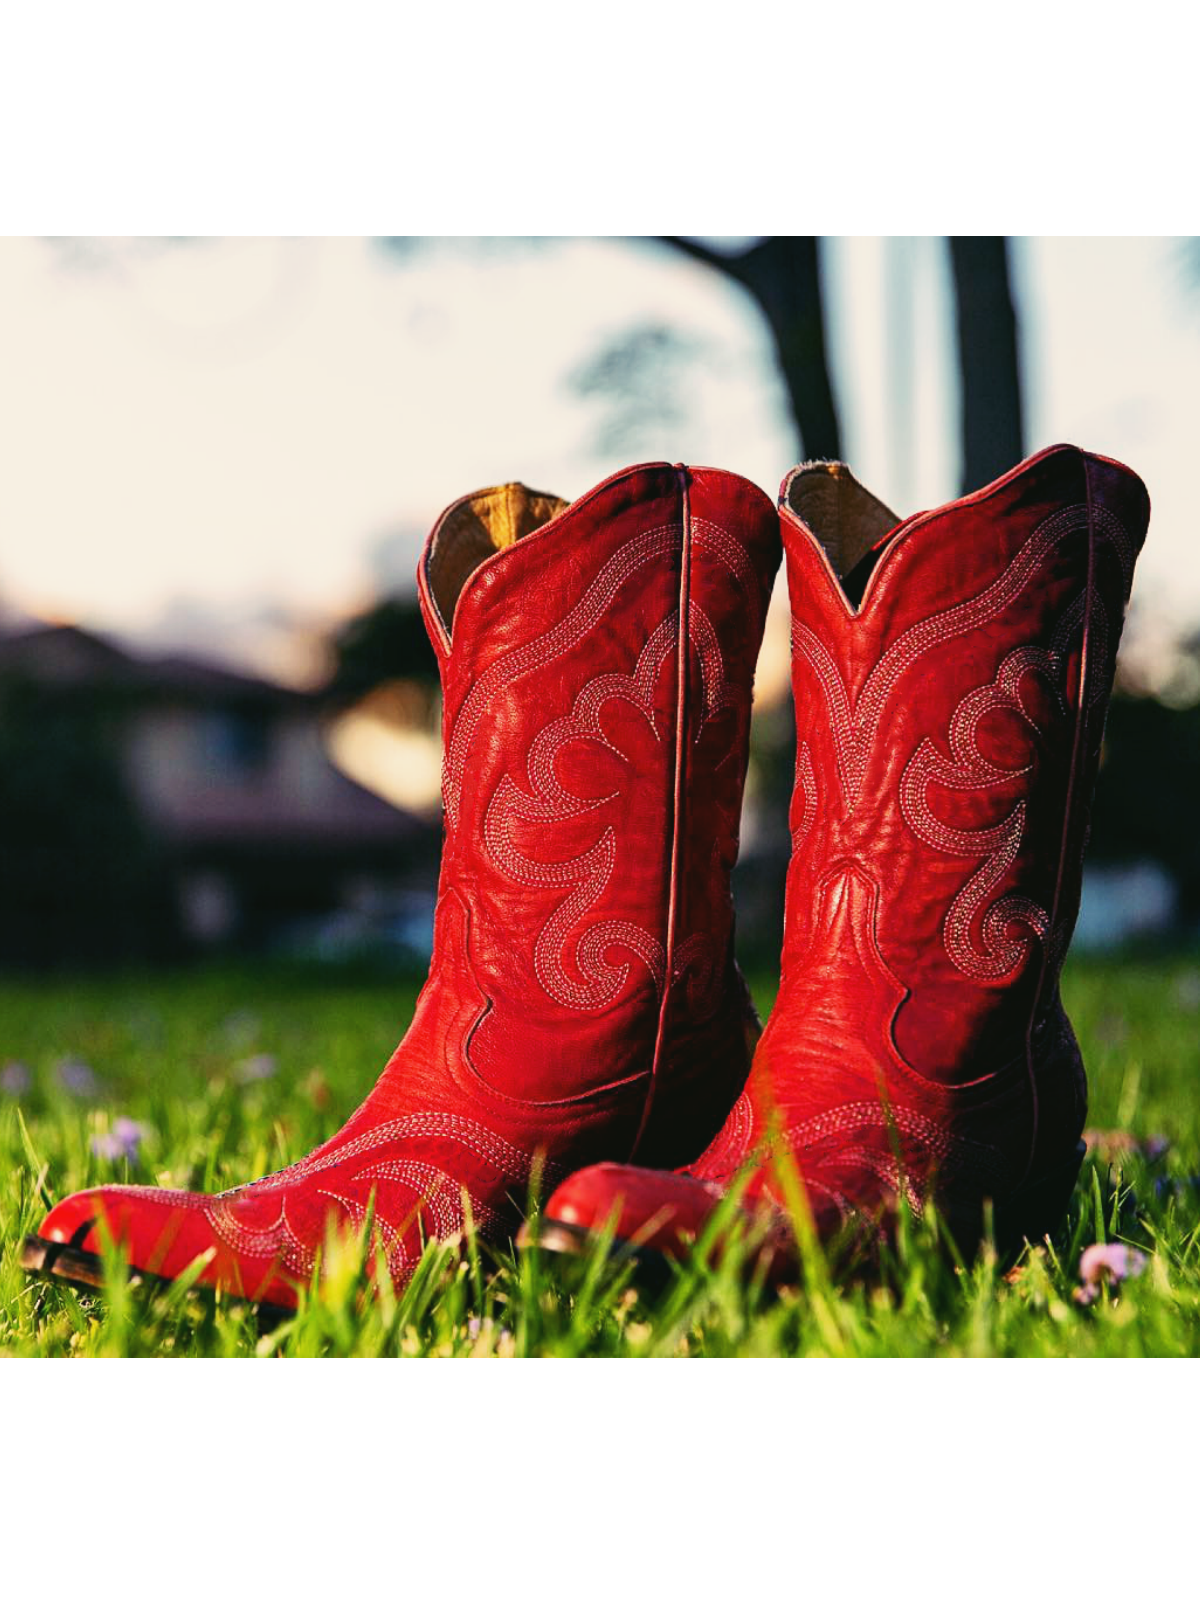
(950, 682)
(597, 663)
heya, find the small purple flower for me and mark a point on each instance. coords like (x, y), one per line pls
(255, 1068)
(477, 1327)
(121, 1142)
(1111, 1145)
(77, 1077)
(1107, 1263)
(15, 1078)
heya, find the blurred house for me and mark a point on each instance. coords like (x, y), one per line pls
(240, 825)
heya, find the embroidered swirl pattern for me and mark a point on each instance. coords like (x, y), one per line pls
(430, 1190)
(977, 935)
(542, 800)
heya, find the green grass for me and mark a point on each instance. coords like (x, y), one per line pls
(171, 1052)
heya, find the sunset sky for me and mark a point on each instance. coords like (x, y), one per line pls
(211, 443)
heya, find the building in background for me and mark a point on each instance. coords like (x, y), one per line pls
(160, 806)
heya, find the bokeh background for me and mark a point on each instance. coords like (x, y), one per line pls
(219, 718)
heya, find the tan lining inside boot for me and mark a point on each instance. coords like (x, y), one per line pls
(493, 519)
(846, 518)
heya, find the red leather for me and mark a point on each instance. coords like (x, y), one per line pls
(948, 737)
(583, 1000)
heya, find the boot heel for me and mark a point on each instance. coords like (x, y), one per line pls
(1036, 1209)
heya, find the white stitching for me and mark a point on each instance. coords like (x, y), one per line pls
(543, 649)
(591, 871)
(854, 730)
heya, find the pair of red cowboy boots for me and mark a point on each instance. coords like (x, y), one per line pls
(950, 674)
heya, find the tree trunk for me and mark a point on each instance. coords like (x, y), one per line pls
(782, 275)
(992, 432)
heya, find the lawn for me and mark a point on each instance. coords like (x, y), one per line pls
(230, 1074)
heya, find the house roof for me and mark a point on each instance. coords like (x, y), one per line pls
(346, 817)
(271, 815)
(66, 657)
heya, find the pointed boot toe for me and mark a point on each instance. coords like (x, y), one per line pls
(159, 1232)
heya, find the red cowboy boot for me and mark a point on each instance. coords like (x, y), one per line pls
(950, 696)
(583, 1001)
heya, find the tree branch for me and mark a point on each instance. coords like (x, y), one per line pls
(731, 265)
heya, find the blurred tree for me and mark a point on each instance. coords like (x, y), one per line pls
(639, 375)
(78, 879)
(781, 273)
(1146, 799)
(385, 644)
(986, 325)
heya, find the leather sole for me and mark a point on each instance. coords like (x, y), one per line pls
(652, 1268)
(84, 1269)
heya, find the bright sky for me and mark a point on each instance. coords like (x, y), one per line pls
(204, 442)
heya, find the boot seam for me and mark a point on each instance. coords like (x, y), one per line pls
(678, 776)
